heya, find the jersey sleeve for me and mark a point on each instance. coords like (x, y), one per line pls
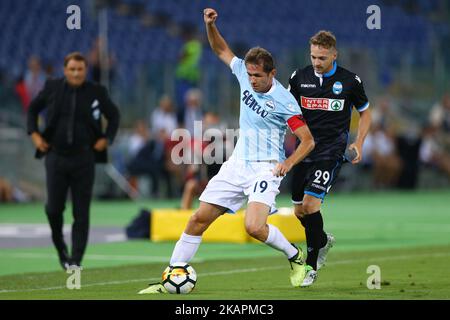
(291, 114)
(296, 122)
(359, 97)
(238, 68)
(293, 80)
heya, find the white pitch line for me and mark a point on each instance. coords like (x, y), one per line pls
(237, 271)
(102, 257)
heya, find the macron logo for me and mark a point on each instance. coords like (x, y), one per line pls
(307, 85)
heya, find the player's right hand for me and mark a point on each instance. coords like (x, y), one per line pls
(281, 169)
(39, 142)
(209, 15)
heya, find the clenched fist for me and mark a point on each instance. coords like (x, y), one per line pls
(209, 15)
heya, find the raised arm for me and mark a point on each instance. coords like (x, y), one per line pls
(216, 41)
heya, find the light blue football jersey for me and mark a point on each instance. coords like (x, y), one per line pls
(263, 118)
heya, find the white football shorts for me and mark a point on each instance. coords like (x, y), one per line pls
(239, 180)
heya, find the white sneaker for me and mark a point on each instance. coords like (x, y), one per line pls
(322, 256)
(310, 277)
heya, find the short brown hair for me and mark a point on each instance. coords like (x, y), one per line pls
(324, 39)
(77, 56)
(258, 55)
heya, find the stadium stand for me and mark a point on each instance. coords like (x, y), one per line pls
(406, 59)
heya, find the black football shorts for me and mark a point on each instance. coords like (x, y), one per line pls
(314, 178)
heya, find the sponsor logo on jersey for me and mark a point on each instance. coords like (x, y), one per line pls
(325, 104)
(251, 102)
(337, 87)
(307, 85)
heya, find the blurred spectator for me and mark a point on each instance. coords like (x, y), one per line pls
(34, 77)
(198, 175)
(440, 114)
(28, 87)
(137, 141)
(187, 73)
(380, 149)
(19, 192)
(6, 191)
(193, 112)
(163, 117)
(139, 138)
(22, 92)
(150, 157)
(95, 64)
(49, 70)
(432, 153)
(435, 148)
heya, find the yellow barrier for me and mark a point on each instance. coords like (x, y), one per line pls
(168, 224)
(288, 224)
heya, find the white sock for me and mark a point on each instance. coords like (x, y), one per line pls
(185, 248)
(278, 241)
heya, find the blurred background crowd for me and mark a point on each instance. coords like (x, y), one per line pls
(154, 59)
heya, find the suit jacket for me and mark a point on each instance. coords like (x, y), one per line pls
(93, 101)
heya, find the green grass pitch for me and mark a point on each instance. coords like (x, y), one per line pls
(405, 234)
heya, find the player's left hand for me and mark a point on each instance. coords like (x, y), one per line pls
(281, 169)
(357, 148)
(101, 144)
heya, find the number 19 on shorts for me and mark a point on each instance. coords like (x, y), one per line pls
(260, 186)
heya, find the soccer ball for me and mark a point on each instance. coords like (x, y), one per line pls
(179, 277)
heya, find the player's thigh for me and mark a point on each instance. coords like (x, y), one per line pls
(226, 189)
(298, 184)
(263, 186)
(206, 214)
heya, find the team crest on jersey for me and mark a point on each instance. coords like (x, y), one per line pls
(337, 87)
(270, 105)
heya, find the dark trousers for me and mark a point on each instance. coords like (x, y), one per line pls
(75, 172)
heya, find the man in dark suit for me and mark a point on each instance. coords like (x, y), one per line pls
(72, 142)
